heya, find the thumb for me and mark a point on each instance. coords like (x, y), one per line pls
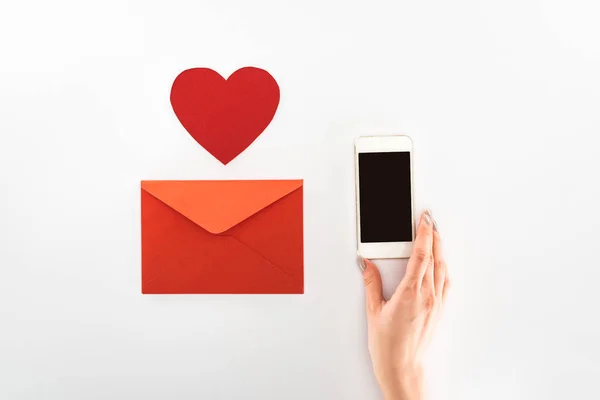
(373, 286)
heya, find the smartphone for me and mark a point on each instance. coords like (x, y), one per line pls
(384, 200)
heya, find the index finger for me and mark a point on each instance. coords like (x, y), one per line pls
(422, 250)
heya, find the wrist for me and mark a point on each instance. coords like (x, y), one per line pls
(406, 384)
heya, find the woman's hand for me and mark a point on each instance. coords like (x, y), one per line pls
(400, 328)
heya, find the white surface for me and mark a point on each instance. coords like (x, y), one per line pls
(500, 98)
(382, 144)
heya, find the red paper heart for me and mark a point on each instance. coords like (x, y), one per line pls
(225, 116)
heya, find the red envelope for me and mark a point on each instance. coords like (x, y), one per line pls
(222, 237)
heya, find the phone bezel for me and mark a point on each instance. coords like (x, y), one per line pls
(383, 144)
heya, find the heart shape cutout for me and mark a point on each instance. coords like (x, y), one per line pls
(225, 115)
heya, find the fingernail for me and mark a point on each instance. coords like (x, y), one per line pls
(361, 262)
(435, 226)
(427, 218)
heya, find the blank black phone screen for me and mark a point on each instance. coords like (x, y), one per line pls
(385, 197)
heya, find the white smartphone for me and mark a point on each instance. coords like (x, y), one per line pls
(384, 200)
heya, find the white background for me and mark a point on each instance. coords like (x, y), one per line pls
(502, 100)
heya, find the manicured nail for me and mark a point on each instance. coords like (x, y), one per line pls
(361, 262)
(428, 212)
(427, 218)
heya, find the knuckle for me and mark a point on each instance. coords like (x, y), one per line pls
(440, 264)
(429, 302)
(422, 255)
(369, 279)
(414, 287)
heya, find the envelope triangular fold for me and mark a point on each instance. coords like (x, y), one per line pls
(219, 205)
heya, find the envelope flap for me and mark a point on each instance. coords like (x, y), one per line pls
(219, 205)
